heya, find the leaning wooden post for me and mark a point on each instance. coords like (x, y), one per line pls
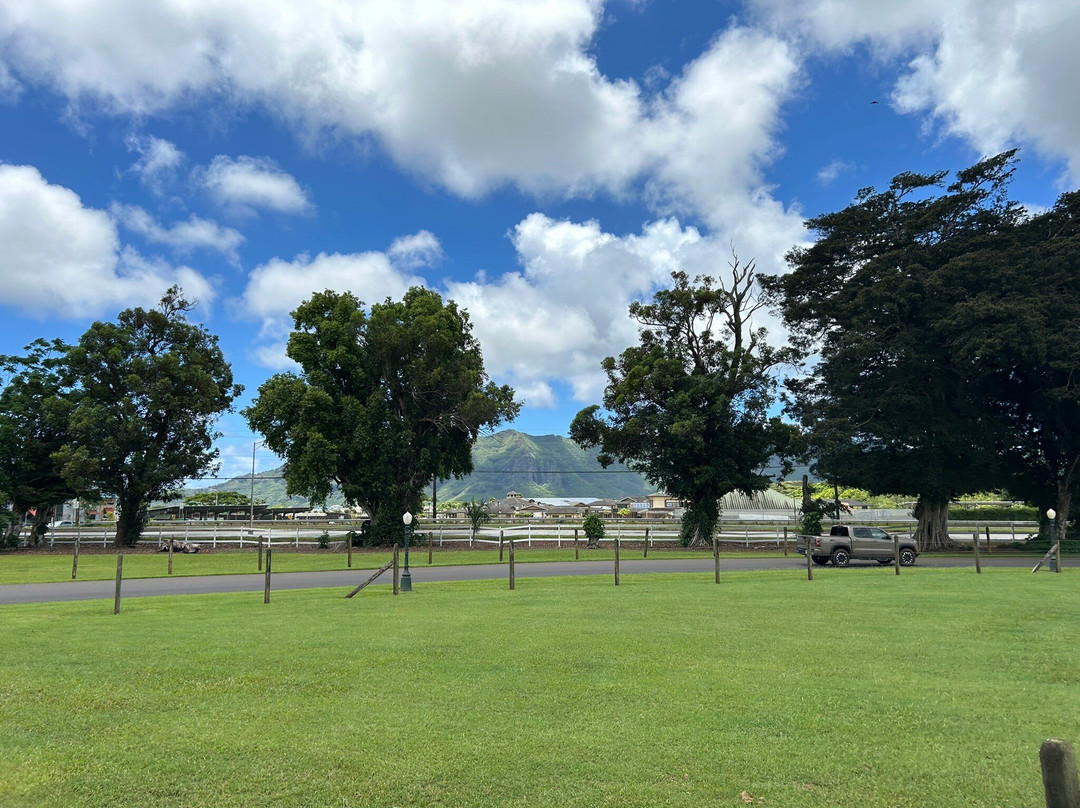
(430, 546)
(646, 555)
(170, 554)
(809, 552)
(616, 561)
(978, 561)
(785, 541)
(119, 577)
(266, 580)
(512, 574)
(1060, 782)
(716, 557)
(576, 551)
(895, 552)
(396, 583)
(75, 560)
(500, 545)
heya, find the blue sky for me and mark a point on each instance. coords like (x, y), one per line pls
(542, 163)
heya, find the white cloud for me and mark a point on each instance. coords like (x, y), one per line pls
(247, 183)
(994, 72)
(10, 88)
(158, 161)
(471, 96)
(418, 250)
(60, 258)
(184, 237)
(827, 174)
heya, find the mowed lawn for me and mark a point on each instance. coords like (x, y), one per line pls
(857, 689)
(36, 568)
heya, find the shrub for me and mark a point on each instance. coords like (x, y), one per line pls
(594, 529)
(324, 540)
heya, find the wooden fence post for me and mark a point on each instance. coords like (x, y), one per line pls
(75, 560)
(1060, 782)
(119, 577)
(896, 552)
(646, 555)
(988, 539)
(809, 562)
(348, 546)
(430, 546)
(266, 581)
(616, 561)
(576, 550)
(975, 542)
(500, 545)
(396, 585)
(512, 578)
(170, 555)
(716, 557)
(260, 553)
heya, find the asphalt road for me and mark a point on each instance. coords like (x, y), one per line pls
(421, 574)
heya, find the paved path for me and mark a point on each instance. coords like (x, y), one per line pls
(421, 574)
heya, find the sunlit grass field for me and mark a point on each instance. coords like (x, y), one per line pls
(859, 688)
(19, 568)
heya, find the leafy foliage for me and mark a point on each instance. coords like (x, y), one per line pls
(217, 498)
(477, 514)
(593, 526)
(147, 390)
(890, 405)
(34, 411)
(383, 403)
(689, 406)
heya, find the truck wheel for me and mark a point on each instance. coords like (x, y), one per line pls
(840, 557)
(907, 557)
(821, 561)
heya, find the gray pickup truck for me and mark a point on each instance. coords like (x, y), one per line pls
(846, 542)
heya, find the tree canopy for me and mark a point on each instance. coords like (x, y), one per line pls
(889, 404)
(146, 392)
(689, 405)
(34, 413)
(383, 403)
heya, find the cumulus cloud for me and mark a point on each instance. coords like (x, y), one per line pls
(469, 96)
(994, 73)
(158, 161)
(418, 250)
(61, 258)
(184, 237)
(250, 183)
(827, 174)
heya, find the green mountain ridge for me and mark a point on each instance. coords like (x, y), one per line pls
(532, 465)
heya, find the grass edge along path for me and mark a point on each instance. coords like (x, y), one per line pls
(858, 689)
(40, 568)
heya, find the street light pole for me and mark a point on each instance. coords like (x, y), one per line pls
(1051, 514)
(251, 498)
(406, 576)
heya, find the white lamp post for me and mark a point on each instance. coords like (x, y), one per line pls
(406, 576)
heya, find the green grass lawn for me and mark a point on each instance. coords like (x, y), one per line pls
(858, 689)
(27, 568)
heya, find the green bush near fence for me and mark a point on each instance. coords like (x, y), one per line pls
(933, 688)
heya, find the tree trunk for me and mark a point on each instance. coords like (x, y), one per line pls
(40, 526)
(1064, 502)
(699, 524)
(932, 532)
(131, 521)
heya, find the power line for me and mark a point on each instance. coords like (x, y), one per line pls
(474, 471)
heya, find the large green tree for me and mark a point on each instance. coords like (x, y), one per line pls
(148, 389)
(889, 405)
(1017, 330)
(689, 407)
(383, 403)
(34, 409)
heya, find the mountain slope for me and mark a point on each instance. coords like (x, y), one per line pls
(532, 465)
